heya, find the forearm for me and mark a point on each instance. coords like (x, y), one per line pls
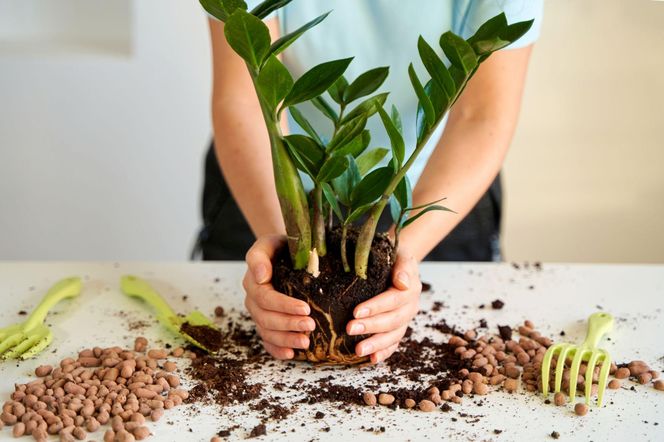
(243, 151)
(470, 153)
(468, 157)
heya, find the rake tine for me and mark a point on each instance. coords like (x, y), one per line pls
(603, 377)
(574, 372)
(546, 367)
(590, 370)
(10, 342)
(21, 348)
(560, 365)
(46, 339)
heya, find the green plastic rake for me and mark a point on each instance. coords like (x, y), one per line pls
(28, 338)
(599, 324)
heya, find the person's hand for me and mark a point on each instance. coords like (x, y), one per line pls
(280, 320)
(387, 315)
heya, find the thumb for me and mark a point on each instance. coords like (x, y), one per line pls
(403, 275)
(259, 257)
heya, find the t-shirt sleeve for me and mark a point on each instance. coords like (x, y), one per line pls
(470, 14)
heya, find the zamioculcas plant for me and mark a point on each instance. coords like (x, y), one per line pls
(335, 267)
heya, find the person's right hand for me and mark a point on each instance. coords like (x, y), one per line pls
(280, 320)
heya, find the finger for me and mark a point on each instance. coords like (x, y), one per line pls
(283, 339)
(382, 322)
(269, 299)
(381, 355)
(389, 300)
(259, 257)
(278, 321)
(279, 352)
(379, 342)
(404, 272)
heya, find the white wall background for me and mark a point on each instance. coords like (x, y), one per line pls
(585, 176)
(101, 155)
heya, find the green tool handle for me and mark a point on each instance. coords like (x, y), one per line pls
(599, 324)
(65, 288)
(136, 287)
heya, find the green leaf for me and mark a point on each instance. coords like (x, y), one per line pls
(283, 42)
(487, 38)
(422, 206)
(424, 100)
(365, 84)
(322, 105)
(307, 153)
(372, 186)
(248, 36)
(233, 5)
(215, 9)
(516, 30)
(337, 89)
(332, 168)
(332, 200)
(315, 81)
(396, 119)
(460, 79)
(347, 132)
(396, 139)
(459, 52)
(268, 7)
(367, 108)
(370, 158)
(436, 67)
(438, 98)
(404, 193)
(273, 82)
(346, 182)
(440, 104)
(357, 213)
(304, 124)
(428, 209)
(355, 147)
(490, 28)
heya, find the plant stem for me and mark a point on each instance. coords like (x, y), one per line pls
(290, 191)
(368, 229)
(319, 221)
(344, 255)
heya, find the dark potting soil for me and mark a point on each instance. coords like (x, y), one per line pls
(210, 337)
(497, 304)
(505, 332)
(334, 293)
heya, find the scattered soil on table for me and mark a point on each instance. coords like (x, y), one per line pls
(210, 337)
(334, 294)
(497, 304)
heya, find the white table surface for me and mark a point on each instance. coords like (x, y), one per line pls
(559, 297)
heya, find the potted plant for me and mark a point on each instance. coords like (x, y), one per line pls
(335, 259)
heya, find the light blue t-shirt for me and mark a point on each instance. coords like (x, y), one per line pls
(385, 33)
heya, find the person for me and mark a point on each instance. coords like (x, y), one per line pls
(462, 160)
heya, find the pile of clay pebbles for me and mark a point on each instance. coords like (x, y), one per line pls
(103, 386)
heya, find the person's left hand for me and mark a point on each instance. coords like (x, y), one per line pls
(386, 316)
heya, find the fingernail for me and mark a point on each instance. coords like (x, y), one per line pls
(303, 310)
(260, 273)
(362, 313)
(304, 325)
(403, 279)
(356, 328)
(304, 343)
(366, 349)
